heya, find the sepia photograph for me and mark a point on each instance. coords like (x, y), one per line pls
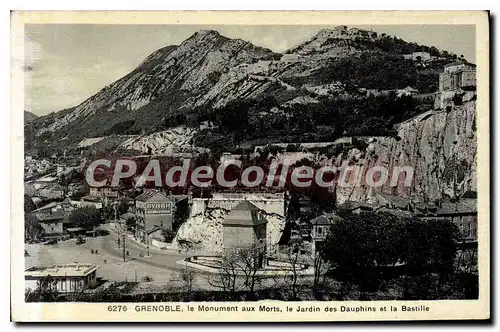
(272, 168)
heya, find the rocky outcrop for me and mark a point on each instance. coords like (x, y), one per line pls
(175, 140)
(204, 231)
(441, 146)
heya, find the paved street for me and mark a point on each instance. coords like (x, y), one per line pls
(160, 266)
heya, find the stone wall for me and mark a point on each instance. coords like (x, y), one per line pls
(269, 202)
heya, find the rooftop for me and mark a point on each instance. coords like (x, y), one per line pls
(245, 214)
(53, 217)
(246, 206)
(353, 205)
(395, 200)
(399, 213)
(326, 219)
(45, 207)
(458, 63)
(47, 178)
(127, 215)
(460, 207)
(61, 270)
(148, 194)
(90, 198)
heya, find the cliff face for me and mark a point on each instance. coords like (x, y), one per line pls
(440, 145)
(205, 231)
(177, 139)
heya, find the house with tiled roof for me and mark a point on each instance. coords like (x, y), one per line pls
(357, 207)
(394, 202)
(458, 75)
(245, 227)
(462, 213)
(321, 227)
(155, 211)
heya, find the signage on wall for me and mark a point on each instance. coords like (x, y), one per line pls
(158, 208)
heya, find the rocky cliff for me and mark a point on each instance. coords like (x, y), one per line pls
(441, 146)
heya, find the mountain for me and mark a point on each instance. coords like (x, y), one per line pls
(171, 79)
(315, 91)
(29, 117)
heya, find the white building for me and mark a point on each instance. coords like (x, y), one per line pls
(321, 227)
(105, 191)
(67, 277)
(418, 56)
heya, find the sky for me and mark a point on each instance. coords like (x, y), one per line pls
(65, 64)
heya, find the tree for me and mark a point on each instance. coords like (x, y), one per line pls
(431, 244)
(188, 277)
(292, 276)
(353, 247)
(122, 207)
(46, 291)
(248, 261)
(33, 231)
(363, 247)
(168, 235)
(321, 268)
(130, 223)
(29, 205)
(87, 217)
(226, 277)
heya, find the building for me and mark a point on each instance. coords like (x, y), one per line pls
(50, 190)
(245, 227)
(458, 75)
(418, 56)
(54, 219)
(91, 201)
(321, 227)
(358, 207)
(270, 202)
(394, 202)
(56, 207)
(462, 213)
(67, 277)
(106, 191)
(156, 210)
(53, 216)
(52, 224)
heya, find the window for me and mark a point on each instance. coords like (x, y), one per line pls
(320, 230)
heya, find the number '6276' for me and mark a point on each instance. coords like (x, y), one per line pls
(117, 308)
